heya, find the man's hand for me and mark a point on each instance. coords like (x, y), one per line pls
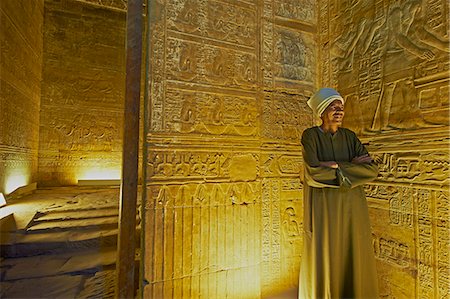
(362, 159)
(331, 164)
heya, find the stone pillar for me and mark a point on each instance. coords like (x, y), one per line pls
(125, 286)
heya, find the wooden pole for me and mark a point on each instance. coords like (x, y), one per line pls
(125, 267)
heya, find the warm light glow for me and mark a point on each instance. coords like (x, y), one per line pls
(15, 181)
(100, 174)
(2, 200)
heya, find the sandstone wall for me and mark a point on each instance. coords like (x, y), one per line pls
(228, 87)
(82, 91)
(21, 25)
(390, 60)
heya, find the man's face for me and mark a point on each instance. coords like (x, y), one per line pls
(334, 114)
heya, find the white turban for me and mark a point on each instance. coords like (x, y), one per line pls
(322, 99)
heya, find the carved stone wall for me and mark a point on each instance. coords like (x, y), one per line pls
(82, 92)
(390, 59)
(229, 80)
(21, 24)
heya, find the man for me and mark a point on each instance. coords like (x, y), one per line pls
(338, 259)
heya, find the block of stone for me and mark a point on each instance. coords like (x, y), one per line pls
(64, 286)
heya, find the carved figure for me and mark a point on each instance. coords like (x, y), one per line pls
(406, 26)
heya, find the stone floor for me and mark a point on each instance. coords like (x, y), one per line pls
(61, 243)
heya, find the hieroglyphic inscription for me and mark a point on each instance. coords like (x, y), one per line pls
(118, 4)
(81, 105)
(82, 132)
(295, 58)
(213, 62)
(195, 231)
(443, 242)
(271, 238)
(392, 251)
(267, 45)
(401, 207)
(217, 114)
(201, 165)
(390, 63)
(20, 92)
(266, 229)
(207, 64)
(324, 44)
(285, 116)
(425, 246)
(157, 62)
(428, 168)
(292, 10)
(386, 46)
(275, 165)
(436, 16)
(220, 21)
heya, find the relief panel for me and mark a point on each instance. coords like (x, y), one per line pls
(224, 83)
(295, 58)
(292, 9)
(217, 20)
(21, 54)
(211, 113)
(81, 105)
(207, 64)
(118, 4)
(423, 167)
(202, 165)
(285, 116)
(194, 231)
(390, 52)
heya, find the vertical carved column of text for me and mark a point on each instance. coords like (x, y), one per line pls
(169, 249)
(324, 43)
(158, 249)
(443, 243)
(178, 242)
(221, 241)
(246, 273)
(204, 243)
(267, 44)
(157, 62)
(196, 245)
(242, 232)
(233, 194)
(213, 241)
(256, 244)
(187, 247)
(424, 247)
(149, 242)
(265, 237)
(276, 234)
(229, 245)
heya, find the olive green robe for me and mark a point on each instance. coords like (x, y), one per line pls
(338, 259)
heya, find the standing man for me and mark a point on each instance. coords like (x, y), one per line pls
(338, 259)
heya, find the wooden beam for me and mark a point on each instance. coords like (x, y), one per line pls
(125, 267)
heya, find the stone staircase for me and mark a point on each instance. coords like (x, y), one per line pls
(65, 248)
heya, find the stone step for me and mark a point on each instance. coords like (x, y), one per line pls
(57, 264)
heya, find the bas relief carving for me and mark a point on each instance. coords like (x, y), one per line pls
(222, 71)
(292, 9)
(294, 56)
(385, 50)
(390, 61)
(208, 113)
(223, 22)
